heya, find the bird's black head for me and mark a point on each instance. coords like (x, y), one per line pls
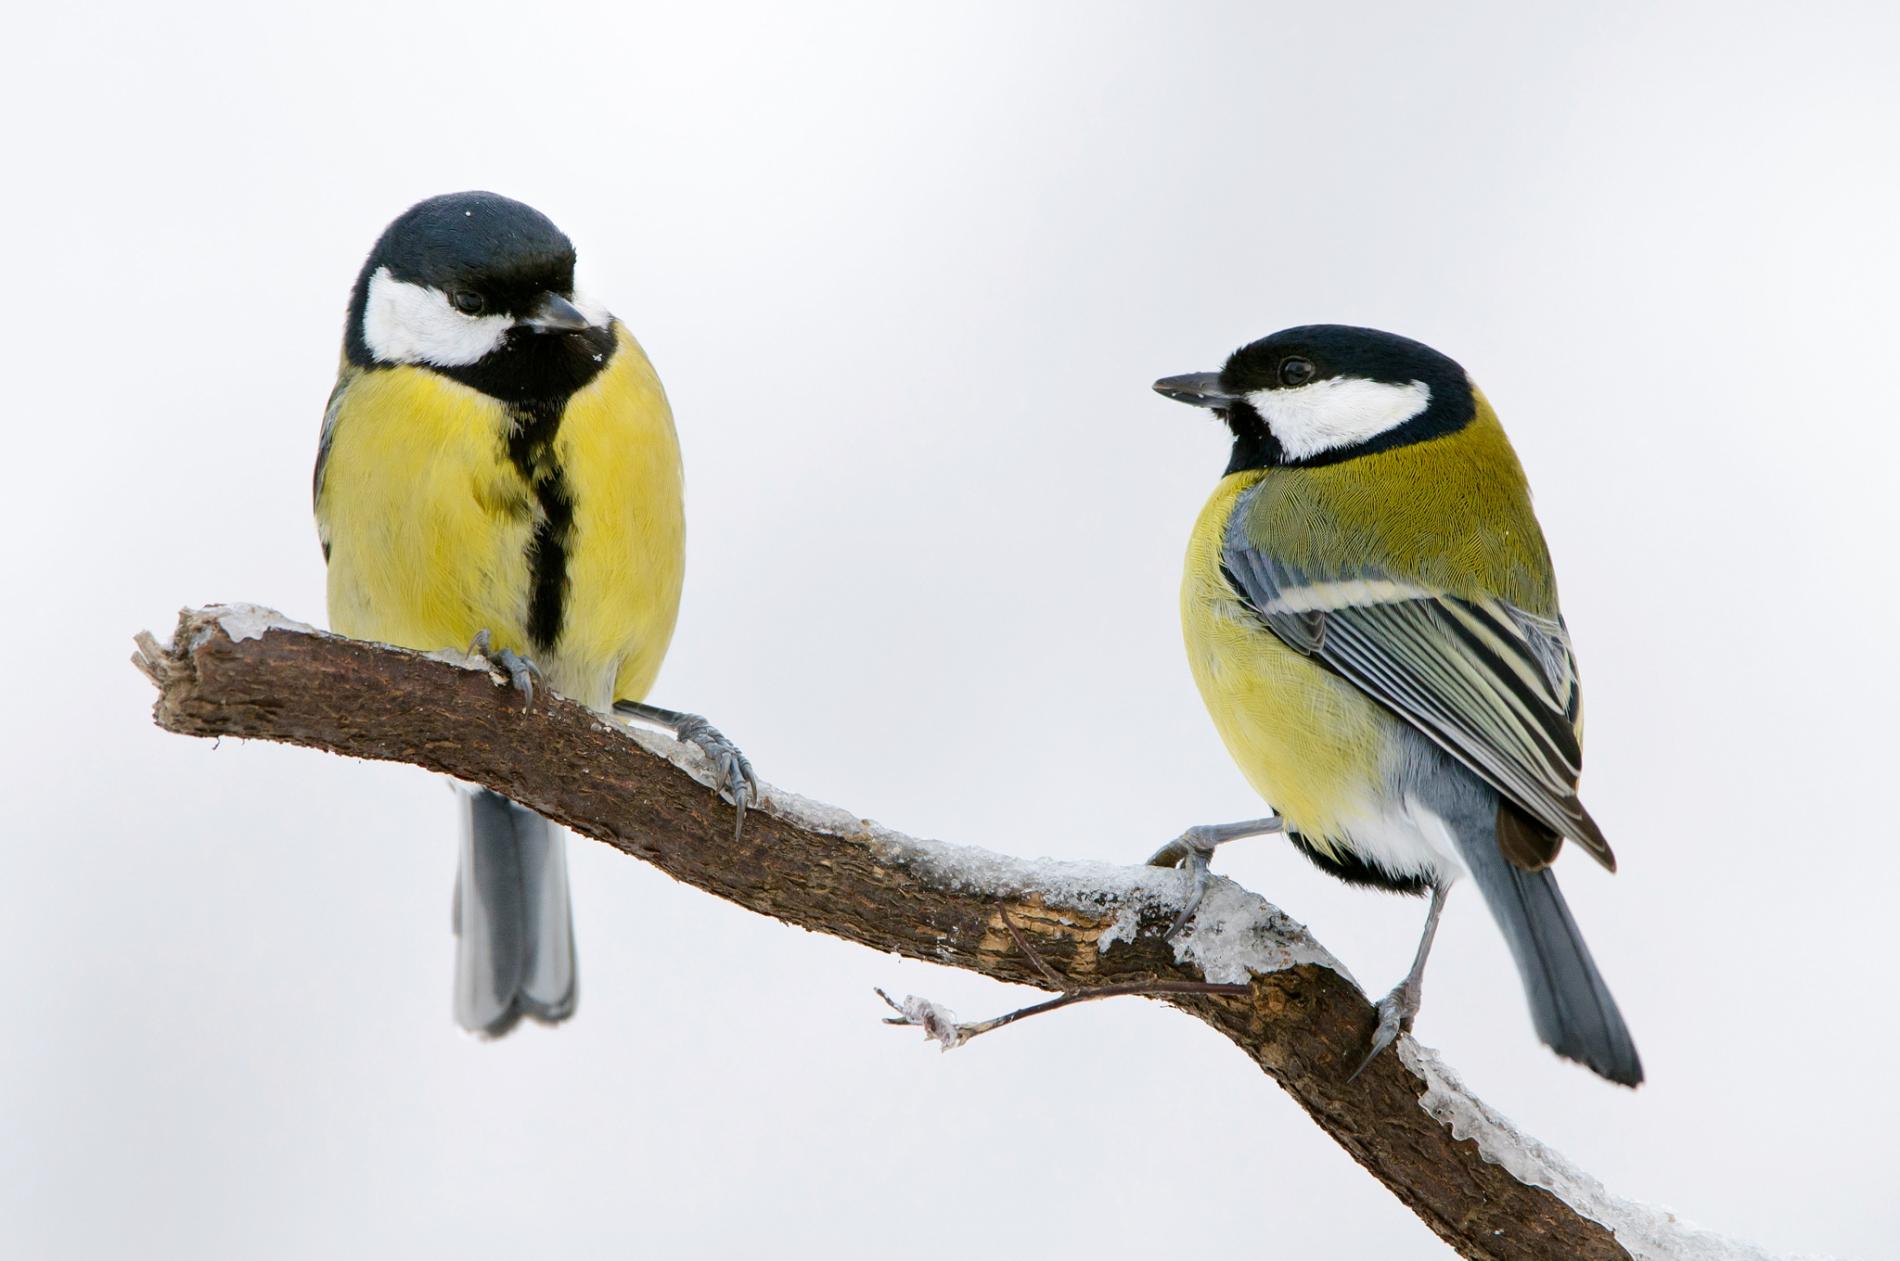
(480, 288)
(1322, 393)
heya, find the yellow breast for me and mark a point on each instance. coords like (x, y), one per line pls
(1309, 743)
(627, 563)
(429, 523)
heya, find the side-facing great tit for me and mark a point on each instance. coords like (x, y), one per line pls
(1372, 619)
(498, 468)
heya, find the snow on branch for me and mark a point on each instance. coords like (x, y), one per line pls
(1082, 929)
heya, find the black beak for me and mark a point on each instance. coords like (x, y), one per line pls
(554, 314)
(1200, 389)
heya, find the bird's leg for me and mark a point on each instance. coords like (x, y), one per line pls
(1397, 1009)
(736, 781)
(1192, 850)
(521, 672)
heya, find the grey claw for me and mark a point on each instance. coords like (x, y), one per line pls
(521, 672)
(1192, 849)
(1198, 873)
(1195, 847)
(1169, 855)
(1394, 1019)
(739, 794)
(1197, 842)
(737, 782)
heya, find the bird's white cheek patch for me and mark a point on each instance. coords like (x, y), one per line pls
(1337, 412)
(405, 323)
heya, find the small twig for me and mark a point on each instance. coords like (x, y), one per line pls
(941, 1024)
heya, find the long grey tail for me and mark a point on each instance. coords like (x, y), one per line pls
(1570, 1005)
(514, 927)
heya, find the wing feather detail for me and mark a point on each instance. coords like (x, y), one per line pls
(1494, 685)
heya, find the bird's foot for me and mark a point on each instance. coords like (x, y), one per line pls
(1190, 851)
(1194, 849)
(734, 778)
(1396, 1010)
(520, 672)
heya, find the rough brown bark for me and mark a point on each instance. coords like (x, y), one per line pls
(1306, 1026)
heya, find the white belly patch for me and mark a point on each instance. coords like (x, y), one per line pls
(1405, 838)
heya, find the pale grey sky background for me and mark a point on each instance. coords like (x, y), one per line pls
(907, 272)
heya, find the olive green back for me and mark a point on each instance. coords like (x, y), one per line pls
(1452, 513)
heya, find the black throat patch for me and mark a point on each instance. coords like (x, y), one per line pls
(532, 428)
(1254, 443)
(528, 367)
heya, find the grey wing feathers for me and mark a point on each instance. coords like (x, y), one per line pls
(330, 412)
(1493, 685)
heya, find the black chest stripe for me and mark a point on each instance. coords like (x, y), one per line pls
(531, 450)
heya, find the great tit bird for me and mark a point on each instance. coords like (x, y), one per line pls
(1372, 619)
(498, 468)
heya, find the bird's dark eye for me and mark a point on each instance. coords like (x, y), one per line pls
(467, 301)
(1296, 371)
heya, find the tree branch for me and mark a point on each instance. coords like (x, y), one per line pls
(1485, 1189)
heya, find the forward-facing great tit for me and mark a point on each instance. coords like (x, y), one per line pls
(498, 468)
(1372, 619)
